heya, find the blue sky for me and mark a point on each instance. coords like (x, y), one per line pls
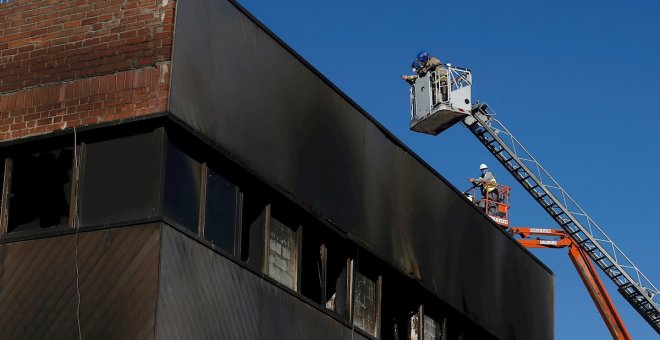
(576, 82)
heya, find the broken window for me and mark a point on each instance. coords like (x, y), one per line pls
(400, 302)
(39, 194)
(366, 293)
(253, 220)
(221, 211)
(323, 268)
(282, 248)
(336, 291)
(182, 187)
(429, 323)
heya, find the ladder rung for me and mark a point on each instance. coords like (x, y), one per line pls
(583, 241)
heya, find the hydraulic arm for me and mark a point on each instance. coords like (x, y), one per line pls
(550, 238)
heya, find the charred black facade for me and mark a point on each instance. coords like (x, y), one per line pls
(265, 204)
(281, 118)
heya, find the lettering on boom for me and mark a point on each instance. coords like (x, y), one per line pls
(541, 230)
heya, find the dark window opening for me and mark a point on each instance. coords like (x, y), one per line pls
(400, 307)
(323, 268)
(40, 190)
(455, 328)
(221, 214)
(182, 187)
(253, 220)
(336, 290)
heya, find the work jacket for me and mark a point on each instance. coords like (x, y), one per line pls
(487, 181)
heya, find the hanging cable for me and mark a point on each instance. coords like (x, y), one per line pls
(76, 225)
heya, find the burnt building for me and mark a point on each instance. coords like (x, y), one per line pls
(148, 193)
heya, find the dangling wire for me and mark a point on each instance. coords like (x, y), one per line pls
(77, 226)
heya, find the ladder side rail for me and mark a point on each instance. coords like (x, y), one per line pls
(581, 212)
(628, 287)
(531, 175)
(527, 170)
(590, 222)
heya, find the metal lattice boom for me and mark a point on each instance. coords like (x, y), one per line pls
(633, 285)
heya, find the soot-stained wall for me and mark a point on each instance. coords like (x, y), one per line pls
(113, 282)
(238, 85)
(206, 296)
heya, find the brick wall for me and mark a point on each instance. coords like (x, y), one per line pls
(66, 63)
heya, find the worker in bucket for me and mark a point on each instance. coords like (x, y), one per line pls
(425, 63)
(428, 62)
(422, 65)
(488, 186)
(415, 67)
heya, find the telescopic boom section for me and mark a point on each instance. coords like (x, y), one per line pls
(633, 285)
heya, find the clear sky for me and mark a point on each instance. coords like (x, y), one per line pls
(575, 81)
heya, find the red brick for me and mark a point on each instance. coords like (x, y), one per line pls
(51, 32)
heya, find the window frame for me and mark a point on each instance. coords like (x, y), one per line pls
(297, 237)
(378, 282)
(8, 178)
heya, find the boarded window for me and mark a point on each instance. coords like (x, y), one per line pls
(40, 190)
(221, 211)
(182, 188)
(365, 303)
(429, 327)
(432, 329)
(282, 251)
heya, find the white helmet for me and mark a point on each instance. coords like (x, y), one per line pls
(483, 166)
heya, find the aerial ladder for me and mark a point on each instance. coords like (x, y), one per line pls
(498, 211)
(441, 97)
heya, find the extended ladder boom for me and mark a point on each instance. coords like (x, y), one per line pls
(633, 285)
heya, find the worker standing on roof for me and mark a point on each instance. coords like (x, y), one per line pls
(488, 186)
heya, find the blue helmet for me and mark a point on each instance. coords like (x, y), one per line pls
(416, 65)
(423, 56)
